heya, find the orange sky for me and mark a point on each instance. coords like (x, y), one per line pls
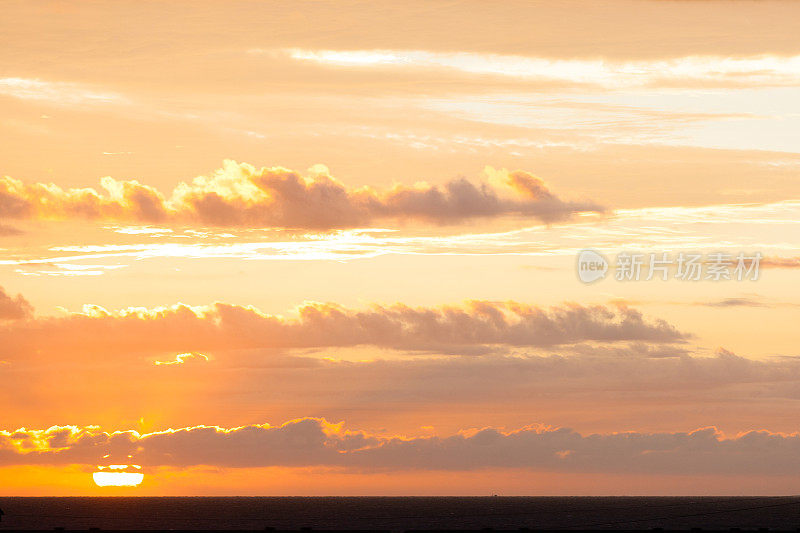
(330, 247)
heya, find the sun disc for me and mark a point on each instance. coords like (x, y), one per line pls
(117, 479)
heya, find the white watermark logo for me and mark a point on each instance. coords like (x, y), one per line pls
(717, 266)
(592, 266)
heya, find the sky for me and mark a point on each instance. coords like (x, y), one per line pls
(333, 248)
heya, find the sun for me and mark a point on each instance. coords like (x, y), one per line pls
(118, 476)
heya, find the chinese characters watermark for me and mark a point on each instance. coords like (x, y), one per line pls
(718, 266)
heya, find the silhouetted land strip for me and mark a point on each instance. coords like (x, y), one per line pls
(398, 514)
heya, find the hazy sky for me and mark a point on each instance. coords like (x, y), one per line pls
(330, 247)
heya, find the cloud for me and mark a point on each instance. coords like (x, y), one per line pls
(9, 231)
(680, 229)
(780, 262)
(184, 358)
(120, 200)
(14, 308)
(599, 388)
(315, 442)
(476, 327)
(736, 302)
(761, 70)
(60, 93)
(241, 195)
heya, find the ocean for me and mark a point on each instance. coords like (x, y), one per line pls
(400, 513)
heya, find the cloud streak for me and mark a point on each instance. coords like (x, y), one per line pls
(241, 195)
(60, 93)
(780, 262)
(761, 70)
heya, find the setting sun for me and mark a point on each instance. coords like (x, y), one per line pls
(118, 476)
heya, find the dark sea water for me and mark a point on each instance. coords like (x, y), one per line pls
(399, 513)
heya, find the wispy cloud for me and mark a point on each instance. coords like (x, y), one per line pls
(184, 358)
(56, 92)
(736, 302)
(734, 227)
(781, 262)
(761, 70)
(65, 269)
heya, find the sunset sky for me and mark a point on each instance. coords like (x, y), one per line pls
(323, 248)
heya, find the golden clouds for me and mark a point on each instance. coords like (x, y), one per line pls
(316, 442)
(241, 195)
(118, 200)
(476, 327)
(184, 358)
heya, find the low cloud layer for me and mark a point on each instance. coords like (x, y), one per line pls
(240, 195)
(470, 329)
(314, 442)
